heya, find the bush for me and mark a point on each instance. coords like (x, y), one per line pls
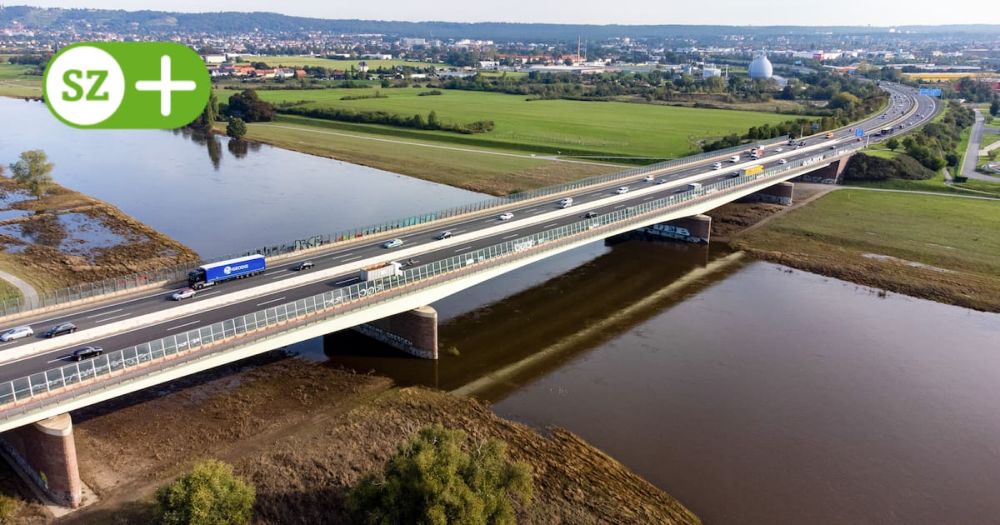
(236, 128)
(434, 478)
(867, 168)
(386, 119)
(8, 507)
(431, 93)
(209, 495)
(247, 106)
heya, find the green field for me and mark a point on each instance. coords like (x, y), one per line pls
(838, 233)
(611, 129)
(988, 138)
(17, 71)
(343, 65)
(15, 82)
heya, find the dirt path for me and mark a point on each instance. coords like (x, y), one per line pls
(28, 293)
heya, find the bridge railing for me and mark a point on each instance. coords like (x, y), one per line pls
(179, 272)
(185, 346)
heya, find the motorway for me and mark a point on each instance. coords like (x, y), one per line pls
(477, 231)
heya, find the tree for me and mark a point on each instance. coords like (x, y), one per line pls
(432, 120)
(33, 171)
(236, 128)
(892, 143)
(845, 101)
(995, 107)
(209, 115)
(208, 495)
(434, 479)
(247, 106)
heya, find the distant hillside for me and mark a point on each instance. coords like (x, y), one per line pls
(160, 22)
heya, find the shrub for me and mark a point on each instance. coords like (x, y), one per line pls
(8, 507)
(208, 495)
(433, 478)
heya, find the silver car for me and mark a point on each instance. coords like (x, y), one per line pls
(17, 333)
(394, 243)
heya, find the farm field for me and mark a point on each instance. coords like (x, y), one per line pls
(15, 82)
(552, 127)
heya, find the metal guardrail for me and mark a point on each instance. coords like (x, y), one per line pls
(176, 273)
(14, 395)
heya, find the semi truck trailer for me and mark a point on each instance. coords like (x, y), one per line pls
(212, 273)
(390, 269)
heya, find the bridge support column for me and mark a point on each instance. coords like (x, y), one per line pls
(828, 174)
(695, 229)
(46, 453)
(414, 332)
(780, 193)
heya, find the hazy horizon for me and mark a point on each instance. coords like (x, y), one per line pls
(630, 12)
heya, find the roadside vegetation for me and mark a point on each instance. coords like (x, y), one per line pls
(941, 248)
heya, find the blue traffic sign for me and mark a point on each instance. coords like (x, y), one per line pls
(859, 132)
(930, 92)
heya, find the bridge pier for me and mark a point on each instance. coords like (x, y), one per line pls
(780, 193)
(828, 174)
(45, 452)
(414, 332)
(695, 229)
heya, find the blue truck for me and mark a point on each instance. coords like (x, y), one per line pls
(209, 274)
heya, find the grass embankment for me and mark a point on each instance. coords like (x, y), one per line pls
(936, 247)
(303, 434)
(15, 81)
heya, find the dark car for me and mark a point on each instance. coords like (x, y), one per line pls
(590, 215)
(304, 265)
(87, 352)
(60, 329)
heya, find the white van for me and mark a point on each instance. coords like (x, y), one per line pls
(734, 159)
(694, 186)
(566, 203)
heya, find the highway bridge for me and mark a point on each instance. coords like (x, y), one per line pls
(149, 339)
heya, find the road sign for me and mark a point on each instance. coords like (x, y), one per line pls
(859, 132)
(930, 92)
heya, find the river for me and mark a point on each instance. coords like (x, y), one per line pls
(210, 195)
(751, 392)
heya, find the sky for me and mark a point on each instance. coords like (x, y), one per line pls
(725, 12)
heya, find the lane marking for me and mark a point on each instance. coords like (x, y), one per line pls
(356, 257)
(284, 275)
(60, 358)
(620, 206)
(512, 236)
(105, 313)
(271, 301)
(651, 197)
(183, 325)
(342, 281)
(551, 225)
(348, 254)
(106, 319)
(463, 249)
(206, 294)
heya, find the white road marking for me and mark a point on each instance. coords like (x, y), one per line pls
(356, 257)
(106, 319)
(105, 313)
(60, 358)
(463, 249)
(651, 197)
(551, 225)
(512, 236)
(342, 281)
(271, 301)
(284, 275)
(619, 206)
(183, 325)
(341, 256)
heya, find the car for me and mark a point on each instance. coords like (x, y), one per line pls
(60, 329)
(717, 166)
(833, 146)
(802, 143)
(304, 265)
(648, 178)
(86, 352)
(779, 150)
(661, 181)
(392, 243)
(184, 293)
(17, 333)
(622, 191)
(782, 161)
(590, 215)
(506, 216)
(443, 235)
(857, 139)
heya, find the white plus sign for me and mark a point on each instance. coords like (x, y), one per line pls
(165, 85)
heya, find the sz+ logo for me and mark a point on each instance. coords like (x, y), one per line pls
(126, 85)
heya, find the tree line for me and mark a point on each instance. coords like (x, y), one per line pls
(385, 118)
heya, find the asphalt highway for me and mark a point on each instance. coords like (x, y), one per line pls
(586, 200)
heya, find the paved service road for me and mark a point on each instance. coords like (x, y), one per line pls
(477, 230)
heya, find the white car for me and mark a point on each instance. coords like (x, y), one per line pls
(622, 191)
(443, 235)
(185, 293)
(648, 178)
(16, 333)
(782, 161)
(506, 216)
(717, 166)
(394, 243)
(779, 150)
